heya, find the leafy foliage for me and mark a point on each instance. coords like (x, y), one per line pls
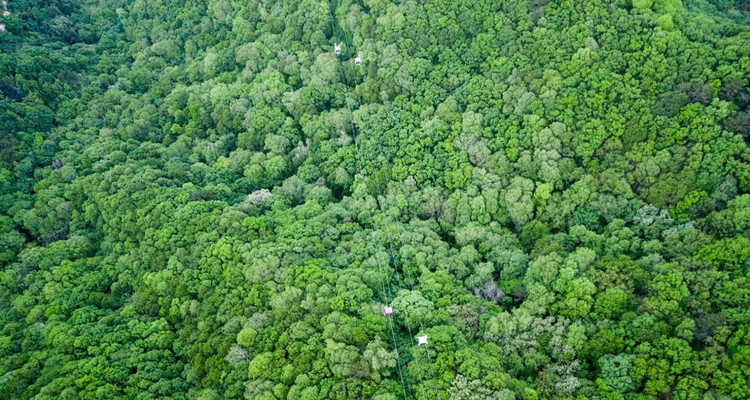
(201, 201)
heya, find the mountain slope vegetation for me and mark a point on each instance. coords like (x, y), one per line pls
(200, 200)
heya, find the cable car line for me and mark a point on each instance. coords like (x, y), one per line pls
(422, 340)
(337, 50)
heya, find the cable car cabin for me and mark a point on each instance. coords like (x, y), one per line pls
(422, 340)
(337, 49)
(388, 311)
(357, 61)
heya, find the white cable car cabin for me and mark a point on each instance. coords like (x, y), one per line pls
(422, 340)
(358, 61)
(388, 311)
(337, 49)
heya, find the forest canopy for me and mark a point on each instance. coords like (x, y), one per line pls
(202, 200)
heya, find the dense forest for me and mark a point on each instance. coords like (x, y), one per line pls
(201, 199)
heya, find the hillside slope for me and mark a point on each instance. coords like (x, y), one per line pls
(200, 200)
